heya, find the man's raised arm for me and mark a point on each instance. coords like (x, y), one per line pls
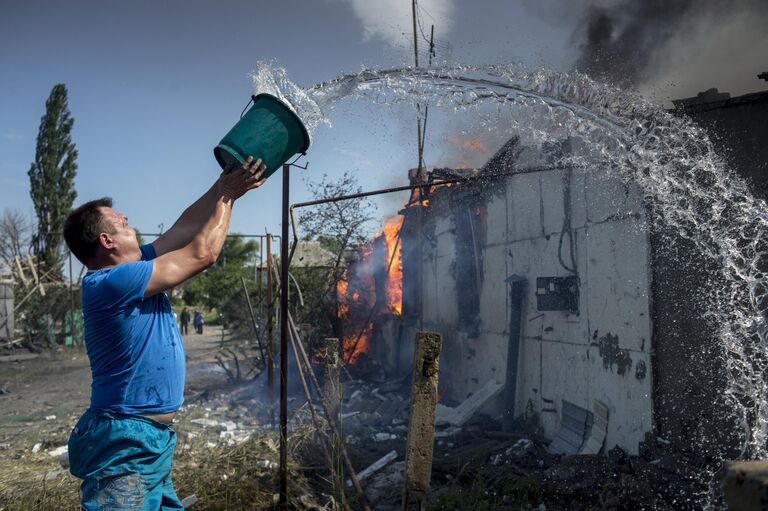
(198, 249)
(189, 223)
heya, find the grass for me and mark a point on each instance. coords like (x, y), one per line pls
(489, 492)
(224, 477)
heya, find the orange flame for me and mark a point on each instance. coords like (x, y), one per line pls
(394, 284)
(355, 345)
(473, 145)
(341, 293)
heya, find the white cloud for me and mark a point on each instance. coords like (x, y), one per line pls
(391, 21)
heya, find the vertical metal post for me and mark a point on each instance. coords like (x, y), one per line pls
(415, 39)
(283, 503)
(270, 331)
(71, 304)
(259, 274)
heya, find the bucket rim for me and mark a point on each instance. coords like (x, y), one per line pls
(292, 113)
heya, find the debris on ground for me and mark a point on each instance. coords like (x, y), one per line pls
(188, 502)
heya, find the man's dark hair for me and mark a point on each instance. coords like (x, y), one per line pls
(83, 226)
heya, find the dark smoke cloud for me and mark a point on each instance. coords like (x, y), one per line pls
(666, 48)
(618, 42)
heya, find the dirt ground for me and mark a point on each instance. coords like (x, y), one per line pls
(41, 399)
(227, 450)
(57, 383)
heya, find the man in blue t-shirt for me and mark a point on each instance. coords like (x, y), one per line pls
(122, 447)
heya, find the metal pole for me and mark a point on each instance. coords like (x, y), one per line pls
(270, 332)
(253, 322)
(71, 304)
(415, 39)
(283, 502)
(428, 185)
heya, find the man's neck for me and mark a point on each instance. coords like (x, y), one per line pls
(109, 261)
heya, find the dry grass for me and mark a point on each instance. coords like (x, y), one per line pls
(224, 477)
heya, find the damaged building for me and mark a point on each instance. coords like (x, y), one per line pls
(561, 299)
(541, 289)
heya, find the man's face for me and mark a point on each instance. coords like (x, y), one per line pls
(123, 240)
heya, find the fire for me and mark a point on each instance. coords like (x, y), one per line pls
(355, 345)
(341, 293)
(395, 254)
(379, 262)
(472, 145)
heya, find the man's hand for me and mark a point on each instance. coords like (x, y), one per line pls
(175, 266)
(234, 184)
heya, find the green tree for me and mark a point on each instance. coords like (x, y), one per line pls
(52, 178)
(220, 287)
(338, 226)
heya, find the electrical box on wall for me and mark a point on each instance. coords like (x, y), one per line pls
(557, 293)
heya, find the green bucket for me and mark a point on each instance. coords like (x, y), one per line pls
(269, 130)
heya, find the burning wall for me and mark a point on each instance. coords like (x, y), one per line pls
(372, 290)
(476, 244)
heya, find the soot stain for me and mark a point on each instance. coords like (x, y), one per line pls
(608, 346)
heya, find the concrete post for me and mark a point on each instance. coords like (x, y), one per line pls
(421, 426)
(745, 485)
(332, 368)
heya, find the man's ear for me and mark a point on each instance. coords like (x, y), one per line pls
(106, 241)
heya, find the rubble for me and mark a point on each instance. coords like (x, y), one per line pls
(514, 466)
(461, 414)
(746, 485)
(386, 487)
(375, 467)
(206, 423)
(188, 502)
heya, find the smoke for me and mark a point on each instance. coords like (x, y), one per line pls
(725, 46)
(666, 48)
(618, 41)
(391, 20)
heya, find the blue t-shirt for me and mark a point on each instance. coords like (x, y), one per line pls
(134, 346)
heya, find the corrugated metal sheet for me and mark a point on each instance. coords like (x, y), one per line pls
(599, 429)
(575, 424)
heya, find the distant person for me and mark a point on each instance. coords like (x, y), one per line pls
(184, 321)
(122, 446)
(199, 322)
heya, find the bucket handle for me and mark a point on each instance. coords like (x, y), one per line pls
(253, 98)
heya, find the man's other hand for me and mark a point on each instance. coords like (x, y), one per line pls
(233, 184)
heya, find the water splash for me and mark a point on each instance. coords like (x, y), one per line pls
(693, 193)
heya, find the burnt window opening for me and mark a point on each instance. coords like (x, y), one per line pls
(469, 238)
(411, 257)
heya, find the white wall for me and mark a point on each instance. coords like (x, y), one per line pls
(560, 352)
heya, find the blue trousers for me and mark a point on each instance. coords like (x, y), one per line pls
(125, 462)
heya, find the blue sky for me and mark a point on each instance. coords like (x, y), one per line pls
(154, 85)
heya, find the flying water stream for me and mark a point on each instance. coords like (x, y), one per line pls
(693, 193)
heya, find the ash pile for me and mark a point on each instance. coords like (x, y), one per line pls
(476, 461)
(482, 463)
